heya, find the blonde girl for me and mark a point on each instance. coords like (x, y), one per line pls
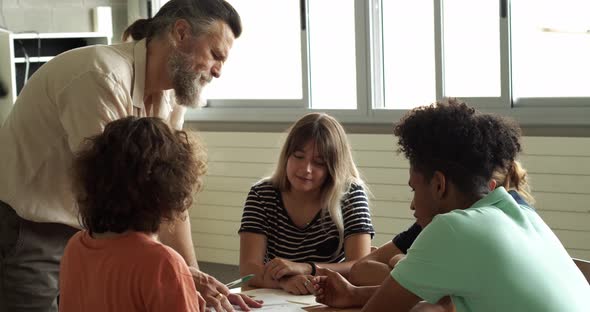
(312, 213)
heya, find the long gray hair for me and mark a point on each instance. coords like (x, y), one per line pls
(199, 13)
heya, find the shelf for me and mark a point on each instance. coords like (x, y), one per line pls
(15, 69)
(43, 59)
(58, 35)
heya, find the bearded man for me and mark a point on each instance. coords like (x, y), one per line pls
(159, 73)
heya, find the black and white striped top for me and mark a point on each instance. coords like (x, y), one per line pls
(264, 213)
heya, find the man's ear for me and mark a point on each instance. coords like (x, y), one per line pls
(439, 184)
(181, 30)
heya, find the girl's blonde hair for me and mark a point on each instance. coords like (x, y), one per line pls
(332, 145)
(515, 177)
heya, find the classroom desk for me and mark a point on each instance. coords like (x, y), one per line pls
(323, 308)
(316, 308)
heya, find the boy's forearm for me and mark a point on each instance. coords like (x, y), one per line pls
(362, 294)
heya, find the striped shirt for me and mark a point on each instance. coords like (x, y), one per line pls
(264, 213)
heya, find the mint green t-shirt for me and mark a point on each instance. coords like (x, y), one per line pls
(493, 256)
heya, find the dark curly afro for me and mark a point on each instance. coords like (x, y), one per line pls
(455, 139)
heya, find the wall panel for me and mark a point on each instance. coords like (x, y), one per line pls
(559, 173)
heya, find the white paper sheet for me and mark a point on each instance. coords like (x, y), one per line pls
(277, 294)
(278, 300)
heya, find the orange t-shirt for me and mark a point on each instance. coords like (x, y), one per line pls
(132, 272)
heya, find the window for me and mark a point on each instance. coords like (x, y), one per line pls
(471, 45)
(265, 62)
(276, 72)
(408, 53)
(368, 61)
(332, 54)
(551, 48)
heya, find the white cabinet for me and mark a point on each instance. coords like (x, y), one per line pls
(22, 54)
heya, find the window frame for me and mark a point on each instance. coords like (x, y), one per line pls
(370, 94)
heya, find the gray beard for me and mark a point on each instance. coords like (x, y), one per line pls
(186, 83)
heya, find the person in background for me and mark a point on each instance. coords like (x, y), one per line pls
(135, 175)
(72, 97)
(376, 266)
(515, 180)
(476, 245)
(312, 213)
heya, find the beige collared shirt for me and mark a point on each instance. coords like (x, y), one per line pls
(67, 100)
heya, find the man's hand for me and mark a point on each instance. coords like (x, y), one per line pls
(218, 296)
(334, 290)
(244, 301)
(278, 268)
(298, 284)
(214, 292)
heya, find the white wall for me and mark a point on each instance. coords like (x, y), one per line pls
(60, 15)
(559, 169)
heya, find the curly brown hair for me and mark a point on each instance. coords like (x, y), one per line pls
(136, 174)
(455, 139)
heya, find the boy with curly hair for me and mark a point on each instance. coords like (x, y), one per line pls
(478, 247)
(128, 180)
